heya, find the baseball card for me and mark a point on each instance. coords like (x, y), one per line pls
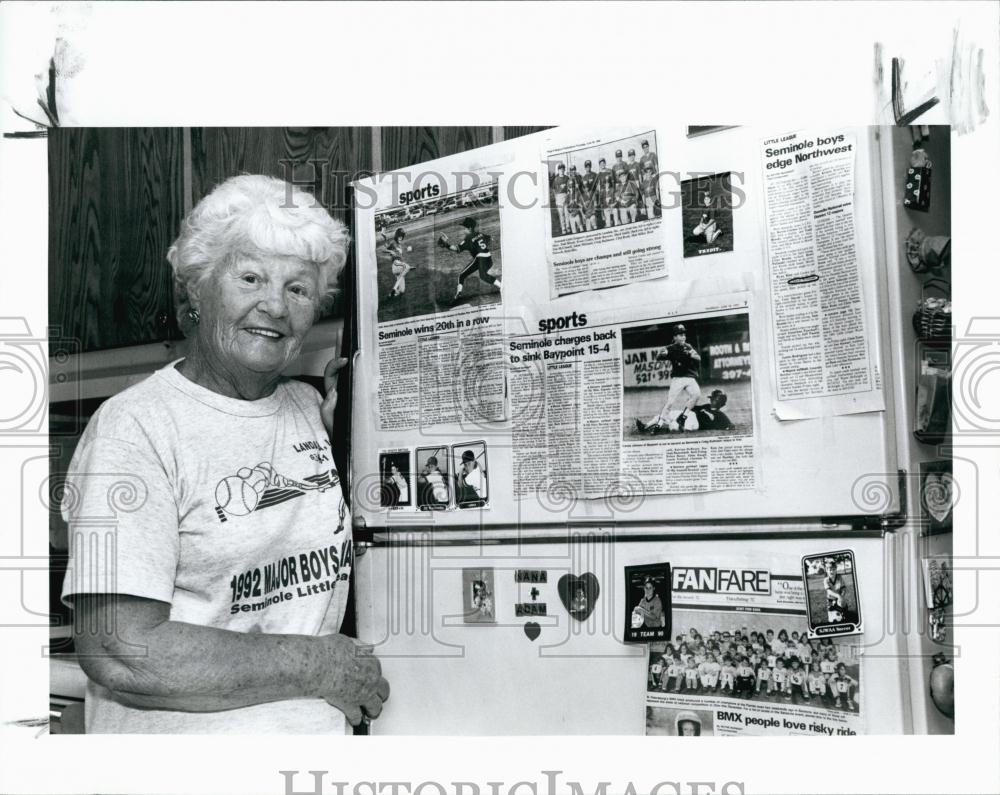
(832, 594)
(395, 486)
(433, 478)
(647, 603)
(478, 600)
(438, 254)
(937, 496)
(472, 479)
(707, 214)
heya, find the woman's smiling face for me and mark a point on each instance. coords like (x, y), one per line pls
(256, 311)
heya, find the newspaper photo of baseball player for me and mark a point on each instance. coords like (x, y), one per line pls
(439, 253)
(598, 187)
(687, 378)
(707, 214)
(831, 582)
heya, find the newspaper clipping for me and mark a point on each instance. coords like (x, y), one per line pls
(439, 274)
(604, 213)
(821, 343)
(740, 661)
(634, 401)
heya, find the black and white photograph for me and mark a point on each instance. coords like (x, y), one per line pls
(598, 187)
(758, 657)
(396, 489)
(937, 496)
(478, 600)
(707, 214)
(678, 722)
(437, 254)
(687, 378)
(433, 478)
(832, 594)
(647, 606)
(472, 482)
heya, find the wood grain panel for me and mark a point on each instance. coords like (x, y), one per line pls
(115, 206)
(517, 132)
(407, 146)
(322, 160)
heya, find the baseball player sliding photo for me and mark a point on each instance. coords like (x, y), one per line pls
(687, 378)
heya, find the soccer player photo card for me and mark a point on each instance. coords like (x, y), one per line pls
(832, 595)
(647, 603)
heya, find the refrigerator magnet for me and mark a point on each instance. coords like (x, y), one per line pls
(478, 602)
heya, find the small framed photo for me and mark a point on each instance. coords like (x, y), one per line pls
(433, 480)
(647, 603)
(831, 585)
(937, 496)
(396, 491)
(478, 601)
(472, 478)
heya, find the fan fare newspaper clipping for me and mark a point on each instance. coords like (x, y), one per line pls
(740, 661)
(633, 401)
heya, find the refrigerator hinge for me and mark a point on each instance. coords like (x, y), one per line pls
(894, 521)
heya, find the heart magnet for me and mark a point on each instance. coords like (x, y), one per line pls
(579, 594)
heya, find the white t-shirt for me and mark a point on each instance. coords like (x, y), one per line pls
(474, 480)
(228, 510)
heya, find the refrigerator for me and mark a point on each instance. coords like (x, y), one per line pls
(828, 475)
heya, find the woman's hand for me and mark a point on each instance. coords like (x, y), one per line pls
(333, 367)
(352, 678)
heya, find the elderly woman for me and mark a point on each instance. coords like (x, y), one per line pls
(214, 601)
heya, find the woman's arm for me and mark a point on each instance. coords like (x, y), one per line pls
(129, 645)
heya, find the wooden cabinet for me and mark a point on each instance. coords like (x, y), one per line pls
(115, 206)
(517, 132)
(322, 160)
(404, 146)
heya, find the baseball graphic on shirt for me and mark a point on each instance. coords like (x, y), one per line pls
(236, 496)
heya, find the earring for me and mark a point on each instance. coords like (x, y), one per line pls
(195, 315)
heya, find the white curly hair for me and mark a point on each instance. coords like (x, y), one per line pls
(256, 215)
